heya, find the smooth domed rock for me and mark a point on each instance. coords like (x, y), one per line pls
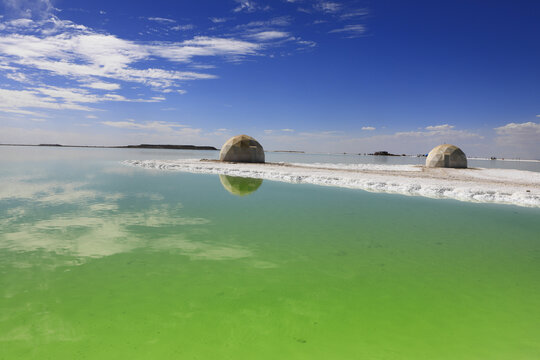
(242, 148)
(239, 185)
(446, 155)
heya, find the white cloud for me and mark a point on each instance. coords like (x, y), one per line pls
(441, 133)
(103, 85)
(81, 54)
(19, 77)
(327, 6)
(306, 43)
(37, 9)
(269, 35)
(202, 66)
(161, 20)
(182, 27)
(439, 127)
(56, 98)
(516, 128)
(522, 139)
(352, 30)
(203, 46)
(368, 128)
(354, 13)
(96, 60)
(276, 21)
(158, 126)
(16, 101)
(217, 20)
(223, 132)
(91, 116)
(280, 132)
(246, 6)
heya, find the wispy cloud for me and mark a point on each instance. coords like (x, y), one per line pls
(351, 30)
(217, 20)
(328, 6)
(443, 127)
(269, 35)
(29, 9)
(276, 21)
(368, 128)
(103, 85)
(514, 128)
(248, 6)
(84, 54)
(100, 61)
(57, 98)
(183, 27)
(149, 125)
(353, 13)
(442, 132)
(161, 20)
(19, 101)
(18, 76)
(519, 136)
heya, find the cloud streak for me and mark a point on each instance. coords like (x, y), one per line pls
(93, 61)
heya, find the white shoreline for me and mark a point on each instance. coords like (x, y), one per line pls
(503, 159)
(498, 186)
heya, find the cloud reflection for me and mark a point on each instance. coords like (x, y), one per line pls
(93, 224)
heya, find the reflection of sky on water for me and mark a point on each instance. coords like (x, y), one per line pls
(240, 186)
(75, 220)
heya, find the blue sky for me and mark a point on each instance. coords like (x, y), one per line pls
(312, 75)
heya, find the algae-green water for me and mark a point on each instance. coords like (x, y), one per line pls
(104, 261)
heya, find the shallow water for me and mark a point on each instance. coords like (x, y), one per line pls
(100, 260)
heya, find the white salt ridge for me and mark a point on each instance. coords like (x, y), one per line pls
(361, 166)
(504, 159)
(500, 186)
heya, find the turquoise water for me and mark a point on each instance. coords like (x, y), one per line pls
(104, 261)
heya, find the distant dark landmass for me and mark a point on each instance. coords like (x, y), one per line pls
(384, 153)
(141, 146)
(177, 147)
(290, 151)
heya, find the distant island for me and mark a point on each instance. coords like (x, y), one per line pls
(176, 147)
(141, 146)
(384, 153)
(289, 151)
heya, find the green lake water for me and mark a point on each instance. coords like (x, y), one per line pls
(104, 261)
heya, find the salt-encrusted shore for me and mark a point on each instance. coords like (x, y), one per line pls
(500, 186)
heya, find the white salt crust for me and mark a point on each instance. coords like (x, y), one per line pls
(498, 186)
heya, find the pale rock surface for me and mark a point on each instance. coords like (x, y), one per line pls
(242, 148)
(446, 155)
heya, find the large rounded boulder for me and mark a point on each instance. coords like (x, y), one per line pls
(242, 148)
(446, 155)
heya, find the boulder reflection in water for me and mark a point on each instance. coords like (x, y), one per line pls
(240, 186)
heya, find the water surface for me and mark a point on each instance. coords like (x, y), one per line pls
(104, 261)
